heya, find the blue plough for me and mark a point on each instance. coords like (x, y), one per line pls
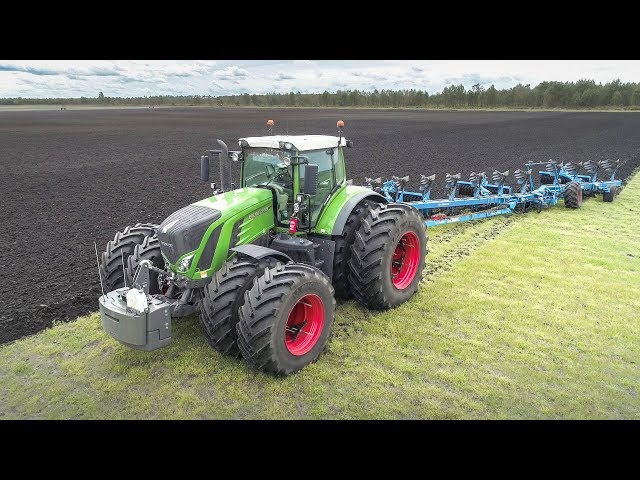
(478, 198)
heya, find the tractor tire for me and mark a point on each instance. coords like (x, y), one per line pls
(121, 247)
(342, 253)
(610, 195)
(222, 299)
(284, 303)
(388, 256)
(149, 249)
(466, 191)
(573, 195)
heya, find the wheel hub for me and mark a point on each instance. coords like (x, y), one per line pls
(405, 260)
(304, 325)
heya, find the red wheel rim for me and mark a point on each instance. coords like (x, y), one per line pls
(405, 261)
(304, 325)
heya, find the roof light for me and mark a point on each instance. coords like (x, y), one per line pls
(286, 145)
(340, 123)
(270, 123)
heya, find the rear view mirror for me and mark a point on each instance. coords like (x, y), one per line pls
(311, 179)
(204, 168)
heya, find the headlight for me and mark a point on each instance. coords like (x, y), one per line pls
(183, 266)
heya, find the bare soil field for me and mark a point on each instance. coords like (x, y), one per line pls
(69, 178)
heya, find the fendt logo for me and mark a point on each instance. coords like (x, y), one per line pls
(259, 212)
(167, 246)
(168, 226)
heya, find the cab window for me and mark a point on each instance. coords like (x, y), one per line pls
(325, 159)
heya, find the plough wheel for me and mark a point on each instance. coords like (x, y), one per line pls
(573, 195)
(610, 195)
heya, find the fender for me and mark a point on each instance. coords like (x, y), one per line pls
(258, 252)
(350, 204)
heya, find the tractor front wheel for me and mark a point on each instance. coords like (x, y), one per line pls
(119, 250)
(149, 249)
(388, 256)
(222, 299)
(286, 319)
(573, 195)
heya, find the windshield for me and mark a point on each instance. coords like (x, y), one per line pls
(265, 166)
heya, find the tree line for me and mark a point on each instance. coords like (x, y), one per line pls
(580, 94)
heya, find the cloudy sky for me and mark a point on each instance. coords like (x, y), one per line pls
(64, 78)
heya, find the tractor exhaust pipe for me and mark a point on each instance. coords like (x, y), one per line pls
(225, 168)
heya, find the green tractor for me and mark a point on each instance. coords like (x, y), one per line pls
(262, 263)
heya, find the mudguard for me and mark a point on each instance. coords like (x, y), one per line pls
(349, 205)
(257, 252)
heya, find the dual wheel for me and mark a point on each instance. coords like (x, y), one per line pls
(279, 316)
(124, 253)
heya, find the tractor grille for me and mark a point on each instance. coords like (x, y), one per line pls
(182, 231)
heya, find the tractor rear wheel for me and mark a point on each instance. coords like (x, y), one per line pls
(119, 249)
(149, 249)
(222, 299)
(610, 195)
(388, 256)
(342, 253)
(286, 319)
(573, 195)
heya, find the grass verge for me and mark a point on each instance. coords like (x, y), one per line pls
(529, 316)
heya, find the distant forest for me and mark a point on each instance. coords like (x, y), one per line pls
(580, 94)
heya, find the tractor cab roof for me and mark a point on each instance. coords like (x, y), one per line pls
(300, 142)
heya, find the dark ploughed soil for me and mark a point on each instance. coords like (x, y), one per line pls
(71, 177)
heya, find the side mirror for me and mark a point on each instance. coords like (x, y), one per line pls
(349, 143)
(204, 168)
(311, 179)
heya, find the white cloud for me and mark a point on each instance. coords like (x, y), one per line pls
(230, 73)
(186, 77)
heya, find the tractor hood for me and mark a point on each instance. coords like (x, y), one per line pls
(197, 230)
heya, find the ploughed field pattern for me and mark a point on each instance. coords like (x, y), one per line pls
(69, 178)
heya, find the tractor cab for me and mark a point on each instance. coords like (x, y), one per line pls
(281, 164)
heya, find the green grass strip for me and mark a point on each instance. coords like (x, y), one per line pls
(532, 316)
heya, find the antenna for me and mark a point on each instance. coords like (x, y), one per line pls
(98, 264)
(270, 125)
(340, 125)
